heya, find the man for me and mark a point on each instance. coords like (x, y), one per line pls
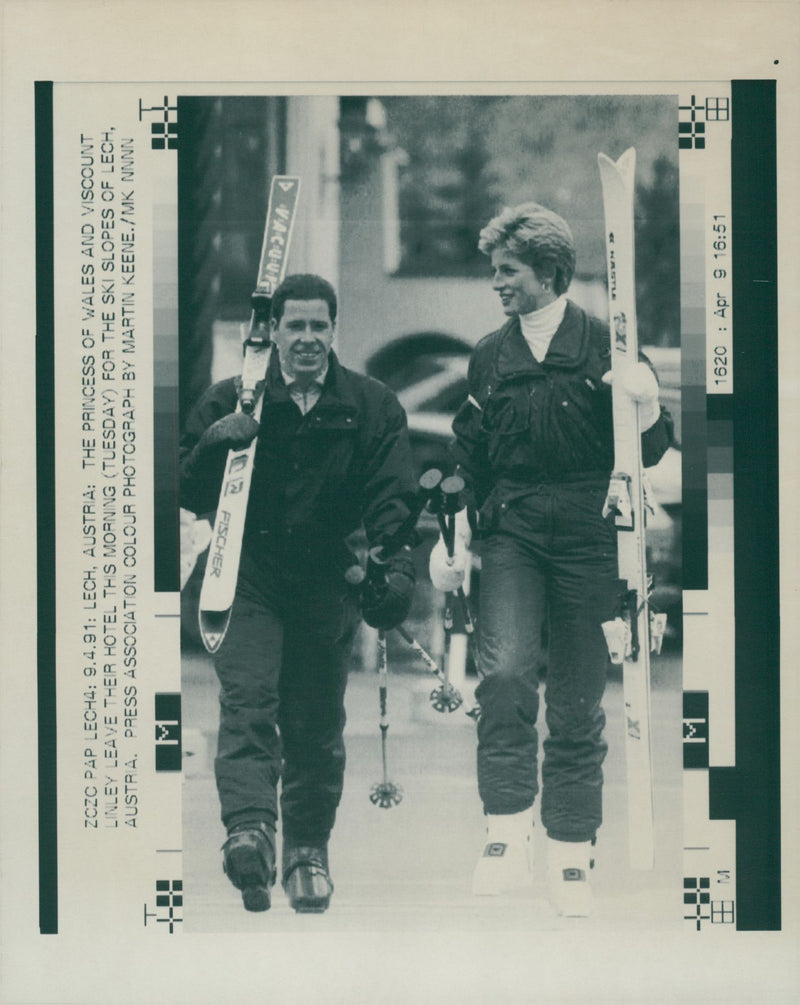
(535, 442)
(332, 453)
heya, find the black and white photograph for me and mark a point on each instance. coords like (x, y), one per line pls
(462, 486)
(398, 542)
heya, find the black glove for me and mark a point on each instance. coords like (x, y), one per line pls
(388, 591)
(231, 432)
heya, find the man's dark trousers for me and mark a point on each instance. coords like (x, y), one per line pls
(283, 671)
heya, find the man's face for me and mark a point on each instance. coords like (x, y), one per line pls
(303, 336)
(517, 284)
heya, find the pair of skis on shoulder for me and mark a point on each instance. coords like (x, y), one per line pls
(222, 566)
(636, 631)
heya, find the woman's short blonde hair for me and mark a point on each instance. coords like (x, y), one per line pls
(536, 236)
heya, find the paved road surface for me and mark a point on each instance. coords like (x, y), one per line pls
(408, 868)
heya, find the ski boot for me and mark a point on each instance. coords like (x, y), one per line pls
(568, 865)
(306, 879)
(249, 863)
(506, 863)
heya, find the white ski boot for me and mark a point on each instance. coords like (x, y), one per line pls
(568, 865)
(506, 863)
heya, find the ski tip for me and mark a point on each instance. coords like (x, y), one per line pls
(212, 642)
(213, 626)
(625, 165)
(627, 161)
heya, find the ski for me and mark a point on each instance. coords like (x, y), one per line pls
(222, 566)
(629, 634)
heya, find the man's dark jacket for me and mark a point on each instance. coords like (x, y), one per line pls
(317, 477)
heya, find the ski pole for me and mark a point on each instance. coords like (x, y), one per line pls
(444, 699)
(428, 484)
(446, 505)
(384, 794)
(449, 503)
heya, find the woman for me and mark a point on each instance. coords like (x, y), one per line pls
(534, 441)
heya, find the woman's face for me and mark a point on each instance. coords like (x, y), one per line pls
(518, 286)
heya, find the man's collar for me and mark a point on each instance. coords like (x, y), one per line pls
(335, 394)
(319, 380)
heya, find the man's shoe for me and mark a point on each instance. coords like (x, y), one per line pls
(506, 863)
(249, 863)
(306, 879)
(568, 866)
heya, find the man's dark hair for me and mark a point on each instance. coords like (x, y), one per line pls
(303, 286)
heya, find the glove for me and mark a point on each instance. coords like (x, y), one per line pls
(195, 537)
(447, 574)
(385, 604)
(232, 432)
(640, 384)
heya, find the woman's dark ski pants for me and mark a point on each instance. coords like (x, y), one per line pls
(283, 671)
(550, 561)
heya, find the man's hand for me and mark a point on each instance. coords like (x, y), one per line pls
(231, 432)
(385, 604)
(640, 384)
(195, 536)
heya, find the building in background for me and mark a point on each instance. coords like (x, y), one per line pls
(229, 150)
(394, 193)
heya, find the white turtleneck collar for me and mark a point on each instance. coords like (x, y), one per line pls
(540, 326)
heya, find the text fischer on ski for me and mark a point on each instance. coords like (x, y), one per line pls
(332, 454)
(535, 443)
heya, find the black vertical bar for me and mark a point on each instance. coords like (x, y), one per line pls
(45, 512)
(755, 474)
(168, 734)
(695, 730)
(694, 460)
